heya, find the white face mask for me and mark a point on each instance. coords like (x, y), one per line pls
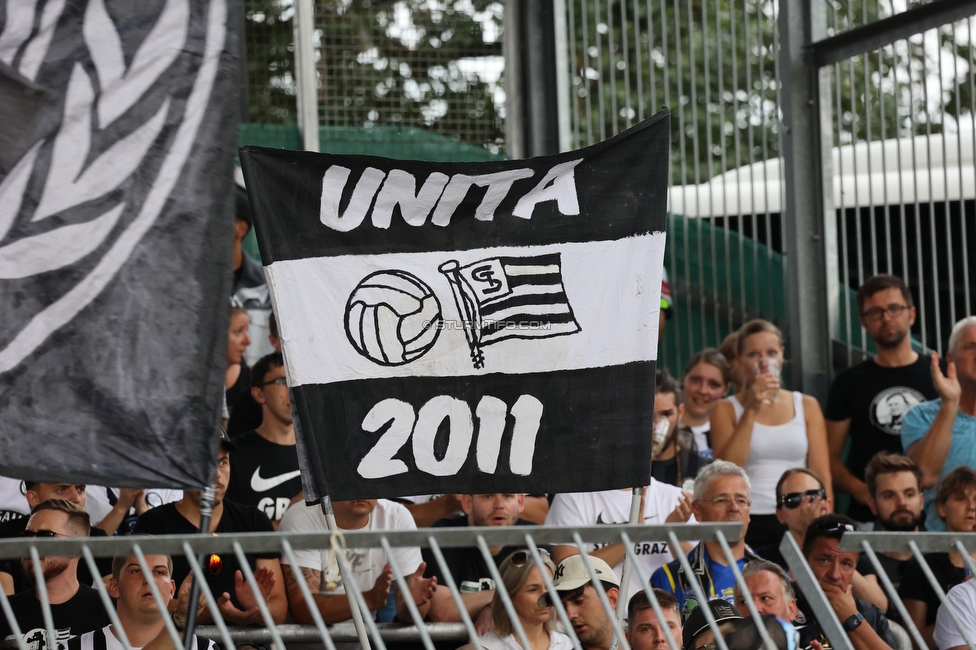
(659, 435)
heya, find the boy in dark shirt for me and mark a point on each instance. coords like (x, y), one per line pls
(235, 598)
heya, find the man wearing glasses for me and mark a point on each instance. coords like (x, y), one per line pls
(867, 402)
(264, 467)
(864, 623)
(721, 494)
(75, 608)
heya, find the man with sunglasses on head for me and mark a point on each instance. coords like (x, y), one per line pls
(867, 402)
(264, 468)
(864, 623)
(75, 608)
(721, 494)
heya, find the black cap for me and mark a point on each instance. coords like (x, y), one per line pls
(722, 610)
(242, 207)
(744, 635)
(225, 441)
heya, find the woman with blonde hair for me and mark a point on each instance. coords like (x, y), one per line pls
(525, 587)
(768, 430)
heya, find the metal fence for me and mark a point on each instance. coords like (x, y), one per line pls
(901, 136)
(369, 633)
(902, 120)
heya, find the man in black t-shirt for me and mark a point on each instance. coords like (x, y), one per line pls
(264, 468)
(234, 596)
(75, 608)
(868, 401)
(467, 565)
(894, 484)
(35, 493)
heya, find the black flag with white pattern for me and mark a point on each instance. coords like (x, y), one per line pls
(116, 226)
(471, 328)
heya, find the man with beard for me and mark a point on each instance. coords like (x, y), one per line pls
(894, 483)
(75, 608)
(721, 494)
(264, 469)
(867, 402)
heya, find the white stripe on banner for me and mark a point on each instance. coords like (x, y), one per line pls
(613, 289)
(513, 269)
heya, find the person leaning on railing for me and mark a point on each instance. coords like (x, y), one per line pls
(525, 587)
(768, 430)
(373, 570)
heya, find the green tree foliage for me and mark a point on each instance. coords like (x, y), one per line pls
(713, 63)
(269, 61)
(419, 63)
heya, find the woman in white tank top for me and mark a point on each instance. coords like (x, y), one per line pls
(768, 430)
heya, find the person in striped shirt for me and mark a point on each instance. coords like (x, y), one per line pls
(141, 619)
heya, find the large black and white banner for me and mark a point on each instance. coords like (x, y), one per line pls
(116, 218)
(468, 328)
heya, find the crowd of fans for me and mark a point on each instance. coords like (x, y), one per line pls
(730, 444)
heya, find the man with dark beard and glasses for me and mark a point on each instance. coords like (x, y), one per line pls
(895, 497)
(868, 402)
(75, 608)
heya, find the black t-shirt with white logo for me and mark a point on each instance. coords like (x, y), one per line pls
(876, 399)
(220, 569)
(82, 613)
(264, 474)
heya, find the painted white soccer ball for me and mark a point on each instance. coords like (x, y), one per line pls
(392, 317)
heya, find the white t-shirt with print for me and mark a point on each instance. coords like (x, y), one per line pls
(366, 563)
(613, 507)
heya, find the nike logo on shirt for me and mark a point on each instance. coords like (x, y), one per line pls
(260, 484)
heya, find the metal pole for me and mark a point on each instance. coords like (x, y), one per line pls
(305, 78)
(563, 75)
(357, 616)
(809, 220)
(514, 118)
(206, 511)
(636, 503)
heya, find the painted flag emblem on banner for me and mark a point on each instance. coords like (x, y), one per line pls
(468, 327)
(510, 297)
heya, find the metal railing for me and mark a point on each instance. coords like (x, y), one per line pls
(378, 635)
(369, 633)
